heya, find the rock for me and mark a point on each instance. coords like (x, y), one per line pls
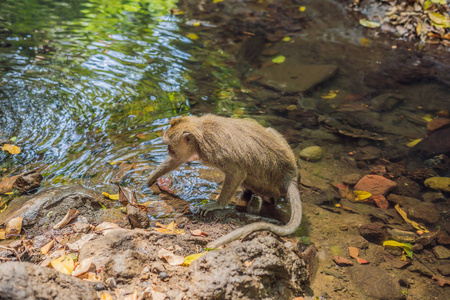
(403, 200)
(437, 123)
(313, 153)
(443, 238)
(248, 270)
(433, 197)
(385, 102)
(137, 218)
(421, 269)
(342, 261)
(402, 236)
(438, 183)
(441, 252)
(424, 212)
(406, 187)
(318, 135)
(374, 232)
(24, 182)
(35, 209)
(125, 266)
(380, 201)
(25, 281)
(81, 227)
(351, 179)
(374, 282)
(444, 269)
(375, 184)
(435, 143)
(367, 153)
(291, 78)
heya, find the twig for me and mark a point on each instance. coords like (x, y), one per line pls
(13, 250)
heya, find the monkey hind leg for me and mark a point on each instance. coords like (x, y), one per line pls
(244, 200)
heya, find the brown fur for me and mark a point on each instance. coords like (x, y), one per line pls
(251, 156)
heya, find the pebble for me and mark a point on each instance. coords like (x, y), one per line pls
(313, 153)
(438, 183)
(163, 275)
(403, 236)
(441, 252)
(444, 269)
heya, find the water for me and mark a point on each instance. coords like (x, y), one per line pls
(88, 87)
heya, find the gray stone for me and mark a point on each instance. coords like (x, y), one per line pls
(402, 236)
(385, 102)
(292, 78)
(351, 179)
(34, 209)
(441, 252)
(313, 153)
(25, 281)
(444, 269)
(424, 212)
(374, 282)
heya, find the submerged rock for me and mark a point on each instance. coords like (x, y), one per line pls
(375, 184)
(441, 252)
(438, 183)
(25, 281)
(313, 153)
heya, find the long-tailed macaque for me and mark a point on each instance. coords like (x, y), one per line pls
(258, 159)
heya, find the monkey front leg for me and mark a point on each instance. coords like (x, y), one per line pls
(229, 188)
(167, 166)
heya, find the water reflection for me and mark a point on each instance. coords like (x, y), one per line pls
(85, 84)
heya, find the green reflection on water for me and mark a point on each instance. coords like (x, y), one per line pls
(79, 80)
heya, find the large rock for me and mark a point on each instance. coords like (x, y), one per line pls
(35, 209)
(438, 183)
(25, 281)
(375, 184)
(293, 78)
(373, 282)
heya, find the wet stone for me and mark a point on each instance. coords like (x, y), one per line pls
(313, 153)
(424, 212)
(374, 282)
(402, 236)
(441, 252)
(438, 183)
(351, 179)
(407, 187)
(137, 218)
(433, 197)
(443, 238)
(319, 135)
(385, 102)
(444, 269)
(375, 184)
(374, 232)
(403, 200)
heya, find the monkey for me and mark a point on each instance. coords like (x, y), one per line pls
(255, 158)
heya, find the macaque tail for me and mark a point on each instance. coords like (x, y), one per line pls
(296, 218)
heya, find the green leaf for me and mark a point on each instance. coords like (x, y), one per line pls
(405, 246)
(279, 59)
(443, 2)
(370, 24)
(13, 139)
(439, 20)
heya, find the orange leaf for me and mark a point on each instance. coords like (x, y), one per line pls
(353, 252)
(11, 149)
(198, 232)
(362, 261)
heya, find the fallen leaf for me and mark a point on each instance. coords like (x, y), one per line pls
(164, 184)
(63, 264)
(216, 1)
(405, 217)
(11, 149)
(170, 257)
(13, 228)
(71, 214)
(89, 276)
(369, 24)
(302, 8)
(279, 59)
(342, 261)
(413, 143)
(330, 95)
(198, 232)
(133, 296)
(2, 234)
(405, 246)
(353, 252)
(83, 267)
(439, 20)
(428, 118)
(111, 196)
(286, 39)
(170, 228)
(127, 196)
(192, 36)
(106, 296)
(189, 259)
(362, 261)
(45, 249)
(361, 195)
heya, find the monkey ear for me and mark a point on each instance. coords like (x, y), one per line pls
(188, 137)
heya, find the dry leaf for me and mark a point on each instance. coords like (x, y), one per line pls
(198, 232)
(111, 196)
(190, 258)
(82, 267)
(13, 228)
(127, 196)
(105, 227)
(47, 247)
(361, 261)
(405, 217)
(164, 184)
(2, 234)
(353, 252)
(106, 296)
(342, 261)
(170, 257)
(11, 149)
(63, 264)
(131, 296)
(171, 228)
(89, 276)
(71, 214)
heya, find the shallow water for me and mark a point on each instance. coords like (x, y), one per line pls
(88, 87)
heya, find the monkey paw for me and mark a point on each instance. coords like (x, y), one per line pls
(209, 207)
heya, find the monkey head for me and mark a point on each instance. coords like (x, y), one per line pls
(180, 139)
